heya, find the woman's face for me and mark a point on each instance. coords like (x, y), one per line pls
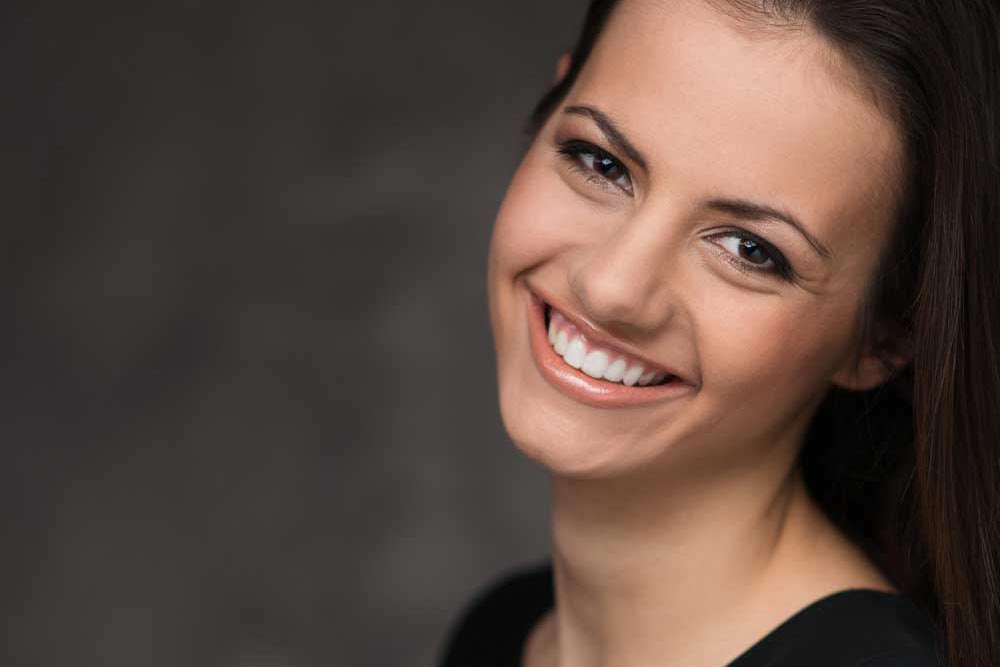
(632, 216)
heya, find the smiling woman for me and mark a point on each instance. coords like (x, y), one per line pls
(746, 310)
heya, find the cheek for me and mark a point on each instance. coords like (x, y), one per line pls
(531, 228)
(527, 227)
(513, 248)
(779, 353)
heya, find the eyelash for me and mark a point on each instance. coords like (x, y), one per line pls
(572, 150)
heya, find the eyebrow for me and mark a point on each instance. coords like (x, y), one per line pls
(611, 132)
(748, 210)
(736, 207)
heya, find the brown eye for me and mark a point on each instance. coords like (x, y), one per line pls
(754, 254)
(608, 168)
(600, 167)
(749, 250)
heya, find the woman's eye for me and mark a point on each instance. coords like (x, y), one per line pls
(600, 168)
(753, 254)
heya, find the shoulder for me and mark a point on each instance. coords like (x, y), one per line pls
(852, 628)
(888, 629)
(494, 624)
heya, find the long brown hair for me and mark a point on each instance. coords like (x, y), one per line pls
(911, 469)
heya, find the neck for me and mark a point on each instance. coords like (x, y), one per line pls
(679, 572)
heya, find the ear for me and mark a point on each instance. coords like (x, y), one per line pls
(875, 366)
(562, 66)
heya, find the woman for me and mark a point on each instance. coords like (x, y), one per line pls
(746, 306)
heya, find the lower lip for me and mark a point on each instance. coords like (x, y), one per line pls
(580, 386)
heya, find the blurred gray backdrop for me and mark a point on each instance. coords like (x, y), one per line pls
(249, 412)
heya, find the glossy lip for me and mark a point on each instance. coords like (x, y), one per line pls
(580, 386)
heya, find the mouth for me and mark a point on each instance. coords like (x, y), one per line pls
(593, 372)
(598, 361)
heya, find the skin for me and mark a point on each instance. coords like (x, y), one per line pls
(682, 532)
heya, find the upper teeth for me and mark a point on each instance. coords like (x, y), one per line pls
(597, 361)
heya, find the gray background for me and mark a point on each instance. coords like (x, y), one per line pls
(249, 407)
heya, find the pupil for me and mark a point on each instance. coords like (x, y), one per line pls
(606, 166)
(754, 252)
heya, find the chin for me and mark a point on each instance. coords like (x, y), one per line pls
(550, 436)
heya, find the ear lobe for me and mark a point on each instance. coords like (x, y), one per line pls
(873, 369)
(562, 66)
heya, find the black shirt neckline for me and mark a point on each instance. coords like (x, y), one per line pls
(841, 605)
(755, 654)
(848, 627)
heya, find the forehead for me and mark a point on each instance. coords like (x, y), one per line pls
(719, 110)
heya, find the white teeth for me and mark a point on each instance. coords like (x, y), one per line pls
(575, 353)
(594, 360)
(595, 364)
(632, 375)
(562, 342)
(616, 371)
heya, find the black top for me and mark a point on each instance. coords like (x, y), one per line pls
(852, 628)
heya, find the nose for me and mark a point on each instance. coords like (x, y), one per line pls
(625, 278)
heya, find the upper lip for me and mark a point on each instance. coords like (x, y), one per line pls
(598, 335)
